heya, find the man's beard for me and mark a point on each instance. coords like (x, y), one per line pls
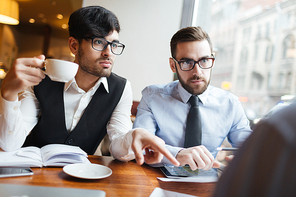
(197, 90)
(84, 64)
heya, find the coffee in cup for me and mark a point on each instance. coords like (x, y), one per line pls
(60, 70)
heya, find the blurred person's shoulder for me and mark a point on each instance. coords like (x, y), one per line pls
(287, 112)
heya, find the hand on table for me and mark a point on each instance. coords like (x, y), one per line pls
(154, 148)
(198, 157)
(22, 75)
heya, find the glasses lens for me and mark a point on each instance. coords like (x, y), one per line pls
(117, 48)
(99, 44)
(206, 63)
(186, 65)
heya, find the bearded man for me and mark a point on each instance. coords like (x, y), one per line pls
(164, 109)
(36, 111)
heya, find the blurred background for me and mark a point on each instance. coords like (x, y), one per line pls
(254, 42)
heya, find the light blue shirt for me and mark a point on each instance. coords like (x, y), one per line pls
(163, 111)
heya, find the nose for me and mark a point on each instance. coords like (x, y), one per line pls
(197, 70)
(107, 51)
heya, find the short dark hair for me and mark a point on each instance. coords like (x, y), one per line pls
(189, 34)
(92, 21)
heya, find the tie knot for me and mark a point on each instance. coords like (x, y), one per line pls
(193, 100)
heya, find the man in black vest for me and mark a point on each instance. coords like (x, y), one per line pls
(36, 111)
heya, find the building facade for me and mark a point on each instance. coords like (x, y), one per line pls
(255, 51)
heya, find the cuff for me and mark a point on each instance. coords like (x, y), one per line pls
(9, 106)
(123, 152)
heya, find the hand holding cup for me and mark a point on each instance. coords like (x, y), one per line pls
(27, 72)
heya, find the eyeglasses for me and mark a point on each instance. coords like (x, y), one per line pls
(188, 64)
(100, 44)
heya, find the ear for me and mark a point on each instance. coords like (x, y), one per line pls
(172, 65)
(73, 45)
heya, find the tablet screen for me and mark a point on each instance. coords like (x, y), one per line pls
(171, 171)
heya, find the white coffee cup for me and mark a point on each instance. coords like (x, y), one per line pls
(60, 70)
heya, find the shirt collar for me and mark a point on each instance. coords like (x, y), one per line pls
(185, 95)
(102, 80)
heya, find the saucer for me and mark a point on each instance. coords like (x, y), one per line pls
(87, 171)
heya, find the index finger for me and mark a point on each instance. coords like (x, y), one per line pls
(137, 149)
(167, 154)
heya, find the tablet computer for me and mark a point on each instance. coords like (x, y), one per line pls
(171, 171)
(15, 171)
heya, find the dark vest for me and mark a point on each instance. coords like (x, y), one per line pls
(91, 128)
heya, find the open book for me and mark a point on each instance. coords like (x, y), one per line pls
(49, 155)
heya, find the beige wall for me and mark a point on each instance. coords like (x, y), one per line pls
(147, 27)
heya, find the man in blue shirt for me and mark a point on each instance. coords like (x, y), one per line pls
(163, 108)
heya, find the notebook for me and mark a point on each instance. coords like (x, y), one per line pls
(8, 190)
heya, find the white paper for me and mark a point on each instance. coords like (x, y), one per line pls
(190, 179)
(158, 192)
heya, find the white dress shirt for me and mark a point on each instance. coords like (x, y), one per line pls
(18, 118)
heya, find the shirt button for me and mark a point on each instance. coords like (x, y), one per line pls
(84, 96)
(76, 117)
(15, 108)
(70, 141)
(9, 132)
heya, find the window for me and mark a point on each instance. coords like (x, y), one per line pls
(281, 81)
(244, 56)
(288, 80)
(289, 47)
(256, 81)
(258, 32)
(256, 52)
(268, 53)
(267, 30)
(263, 49)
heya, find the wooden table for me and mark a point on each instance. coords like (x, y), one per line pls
(127, 179)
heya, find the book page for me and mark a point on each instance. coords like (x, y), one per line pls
(61, 155)
(62, 160)
(23, 157)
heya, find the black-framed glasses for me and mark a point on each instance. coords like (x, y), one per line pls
(203, 63)
(100, 44)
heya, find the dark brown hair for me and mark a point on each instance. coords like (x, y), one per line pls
(92, 21)
(189, 34)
